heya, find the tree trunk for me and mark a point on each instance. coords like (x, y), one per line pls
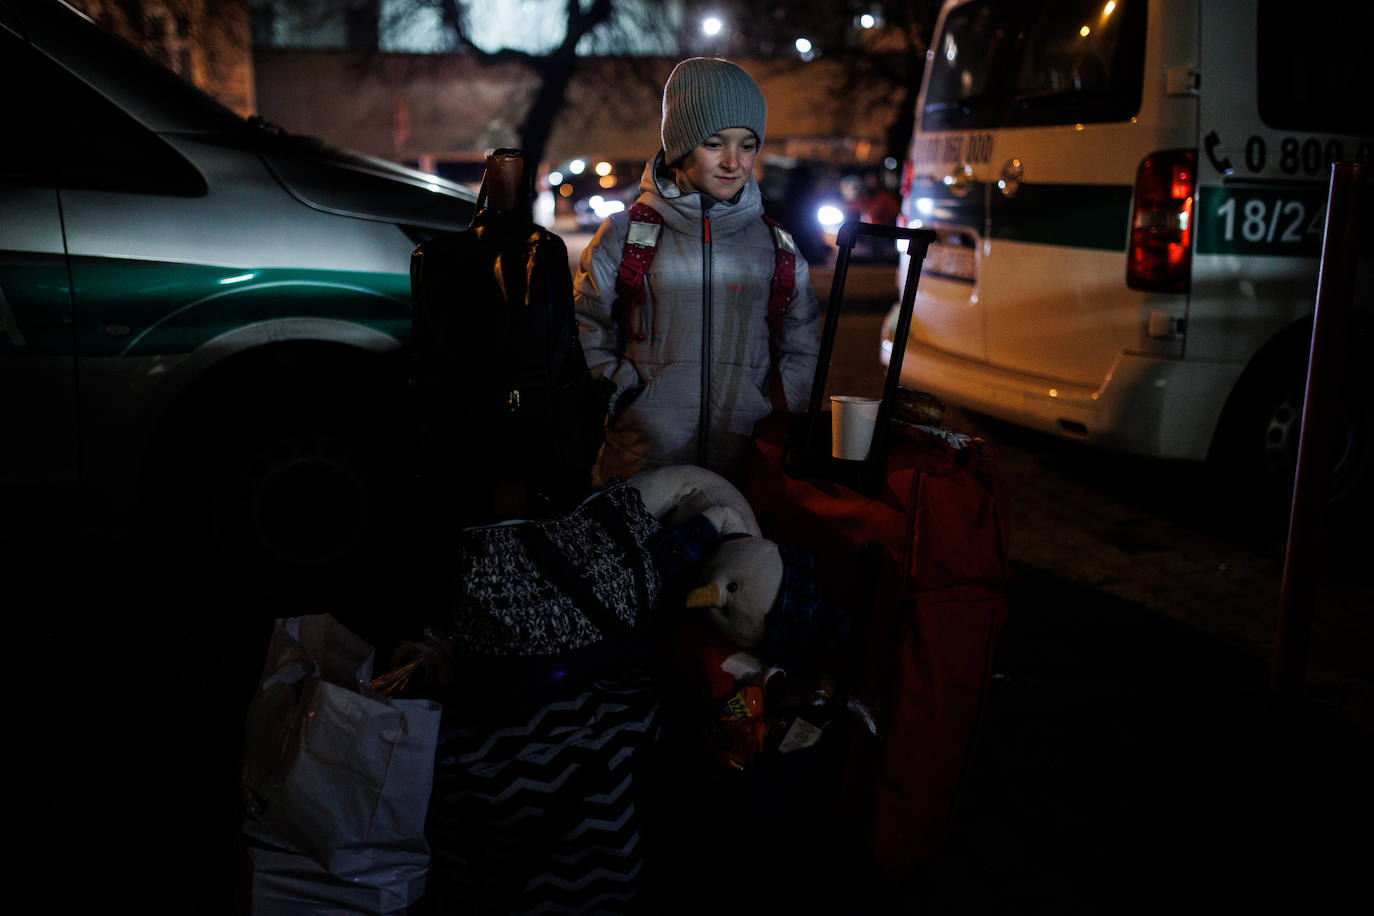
(537, 128)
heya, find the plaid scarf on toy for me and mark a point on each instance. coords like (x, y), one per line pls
(682, 548)
(801, 627)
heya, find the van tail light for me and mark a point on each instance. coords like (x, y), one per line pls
(1160, 256)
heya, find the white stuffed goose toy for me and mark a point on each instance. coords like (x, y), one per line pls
(674, 493)
(739, 584)
(735, 573)
(756, 594)
(768, 599)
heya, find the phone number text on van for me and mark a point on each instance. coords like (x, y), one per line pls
(1301, 157)
(969, 148)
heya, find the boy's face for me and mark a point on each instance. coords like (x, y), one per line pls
(721, 164)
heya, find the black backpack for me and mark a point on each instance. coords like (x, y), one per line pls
(510, 419)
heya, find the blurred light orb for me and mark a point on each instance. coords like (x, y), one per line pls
(555, 179)
(804, 45)
(889, 163)
(867, 21)
(606, 207)
(603, 168)
(711, 25)
(577, 166)
(830, 216)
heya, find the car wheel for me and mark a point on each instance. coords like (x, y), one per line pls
(289, 500)
(1348, 448)
(1259, 437)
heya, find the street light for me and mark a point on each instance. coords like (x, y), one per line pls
(711, 25)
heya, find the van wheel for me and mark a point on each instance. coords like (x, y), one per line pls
(288, 504)
(1258, 439)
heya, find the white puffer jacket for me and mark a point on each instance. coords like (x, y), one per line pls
(705, 305)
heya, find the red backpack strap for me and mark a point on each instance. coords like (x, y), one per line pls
(779, 298)
(641, 244)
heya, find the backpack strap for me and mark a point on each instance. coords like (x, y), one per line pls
(779, 298)
(641, 244)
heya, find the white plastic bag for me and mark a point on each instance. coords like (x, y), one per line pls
(336, 778)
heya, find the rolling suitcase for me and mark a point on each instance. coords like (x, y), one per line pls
(915, 535)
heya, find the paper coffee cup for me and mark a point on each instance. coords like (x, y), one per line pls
(851, 426)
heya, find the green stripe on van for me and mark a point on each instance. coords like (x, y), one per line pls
(928, 200)
(1071, 215)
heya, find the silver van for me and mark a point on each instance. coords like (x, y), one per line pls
(200, 315)
(1129, 197)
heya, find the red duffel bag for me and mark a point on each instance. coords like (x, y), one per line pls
(915, 536)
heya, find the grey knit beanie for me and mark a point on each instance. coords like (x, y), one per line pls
(704, 95)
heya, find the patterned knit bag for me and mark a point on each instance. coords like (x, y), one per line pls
(540, 590)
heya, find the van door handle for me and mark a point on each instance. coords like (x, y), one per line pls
(959, 180)
(1009, 182)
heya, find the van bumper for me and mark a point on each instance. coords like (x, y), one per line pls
(1145, 405)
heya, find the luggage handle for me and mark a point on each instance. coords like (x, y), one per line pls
(811, 459)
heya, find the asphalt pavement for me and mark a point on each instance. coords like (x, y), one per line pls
(1134, 727)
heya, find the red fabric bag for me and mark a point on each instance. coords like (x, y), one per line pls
(924, 560)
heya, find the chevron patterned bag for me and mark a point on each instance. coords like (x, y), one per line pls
(547, 815)
(550, 732)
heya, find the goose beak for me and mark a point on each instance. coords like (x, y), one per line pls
(706, 596)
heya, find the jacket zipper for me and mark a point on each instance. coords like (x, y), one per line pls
(703, 423)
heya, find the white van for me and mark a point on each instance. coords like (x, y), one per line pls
(1130, 197)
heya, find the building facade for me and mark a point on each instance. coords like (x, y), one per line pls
(403, 106)
(206, 41)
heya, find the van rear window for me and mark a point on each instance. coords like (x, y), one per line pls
(1005, 63)
(1315, 67)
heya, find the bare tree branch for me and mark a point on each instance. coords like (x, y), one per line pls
(555, 68)
(880, 68)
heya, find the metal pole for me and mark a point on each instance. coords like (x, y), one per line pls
(1330, 333)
